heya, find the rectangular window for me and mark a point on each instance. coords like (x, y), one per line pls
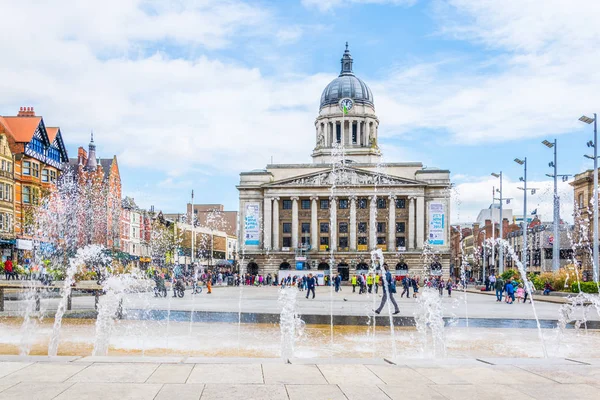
(7, 192)
(381, 203)
(45, 175)
(26, 195)
(362, 240)
(400, 203)
(305, 204)
(381, 227)
(53, 176)
(287, 227)
(338, 133)
(1, 221)
(287, 204)
(305, 240)
(343, 227)
(354, 128)
(324, 228)
(362, 203)
(287, 242)
(400, 242)
(35, 169)
(306, 227)
(343, 204)
(362, 227)
(343, 242)
(324, 204)
(3, 165)
(324, 240)
(9, 166)
(26, 168)
(2, 191)
(380, 239)
(400, 227)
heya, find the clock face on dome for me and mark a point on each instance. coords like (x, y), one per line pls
(346, 104)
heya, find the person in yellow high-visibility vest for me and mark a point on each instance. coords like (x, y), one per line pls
(353, 283)
(377, 282)
(370, 282)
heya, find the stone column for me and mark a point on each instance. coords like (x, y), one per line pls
(420, 221)
(295, 222)
(314, 223)
(352, 243)
(333, 228)
(373, 223)
(276, 223)
(411, 223)
(392, 224)
(267, 222)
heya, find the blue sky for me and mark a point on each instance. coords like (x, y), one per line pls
(189, 93)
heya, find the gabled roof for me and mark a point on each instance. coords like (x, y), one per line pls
(56, 140)
(23, 128)
(52, 132)
(5, 125)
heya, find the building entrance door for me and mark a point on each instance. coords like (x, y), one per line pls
(344, 271)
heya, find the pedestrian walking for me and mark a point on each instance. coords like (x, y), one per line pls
(310, 285)
(353, 283)
(370, 282)
(389, 288)
(405, 285)
(449, 287)
(499, 286)
(8, 269)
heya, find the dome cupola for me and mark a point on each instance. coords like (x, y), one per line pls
(346, 85)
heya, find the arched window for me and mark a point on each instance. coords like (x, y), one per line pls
(284, 265)
(323, 266)
(252, 268)
(362, 266)
(401, 266)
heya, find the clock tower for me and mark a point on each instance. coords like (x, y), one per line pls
(347, 120)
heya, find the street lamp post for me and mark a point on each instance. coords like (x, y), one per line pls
(555, 175)
(500, 249)
(523, 179)
(588, 120)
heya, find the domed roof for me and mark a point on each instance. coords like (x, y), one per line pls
(346, 85)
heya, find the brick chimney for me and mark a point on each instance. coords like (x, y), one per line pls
(26, 112)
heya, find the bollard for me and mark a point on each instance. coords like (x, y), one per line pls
(96, 299)
(69, 302)
(1, 299)
(37, 300)
(120, 310)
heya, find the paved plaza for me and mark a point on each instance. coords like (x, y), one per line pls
(131, 378)
(249, 299)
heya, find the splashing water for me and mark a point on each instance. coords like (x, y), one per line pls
(429, 319)
(290, 324)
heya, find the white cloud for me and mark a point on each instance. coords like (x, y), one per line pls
(541, 77)
(328, 5)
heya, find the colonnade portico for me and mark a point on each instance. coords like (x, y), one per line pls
(409, 228)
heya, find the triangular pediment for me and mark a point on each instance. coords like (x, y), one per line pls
(346, 176)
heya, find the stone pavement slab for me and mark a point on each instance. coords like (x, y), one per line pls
(320, 361)
(171, 373)
(34, 391)
(115, 372)
(348, 374)
(560, 391)
(488, 391)
(120, 391)
(441, 376)
(292, 374)
(363, 392)
(31, 359)
(501, 374)
(428, 362)
(10, 367)
(188, 391)
(315, 392)
(232, 360)
(45, 372)
(395, 375)
(412, 392)
(567, 373)
(244, 392)
(226, 373)
(130, 359)
(528, 361)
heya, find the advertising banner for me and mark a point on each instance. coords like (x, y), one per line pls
(437, 224)
(251, 224)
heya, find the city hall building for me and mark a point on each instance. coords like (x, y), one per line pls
(293, 217)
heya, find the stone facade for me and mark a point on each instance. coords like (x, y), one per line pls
(347, 203)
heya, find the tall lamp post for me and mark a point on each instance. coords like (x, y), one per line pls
(500, 249)
(594, 144)
(523, 179)
(555, 175)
